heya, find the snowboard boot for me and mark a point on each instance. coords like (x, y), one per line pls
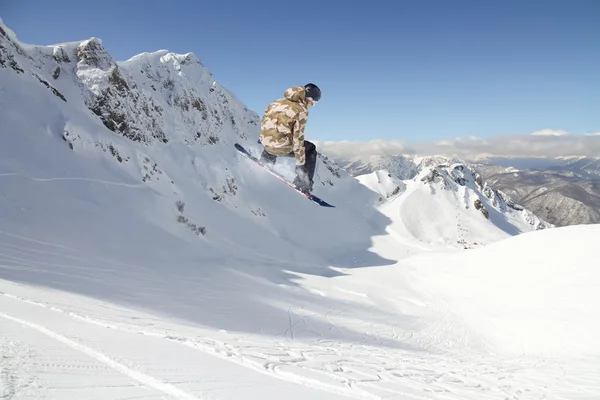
(267, 159)
(303, 186)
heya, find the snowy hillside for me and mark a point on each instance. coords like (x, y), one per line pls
(400, 166)
(565, 192)
(529, 294)
(582, 167)
(510, 320)
(157, 124)
(450, 205)
(443, 212)
(142, 257)
(561, 191)
(557, 196)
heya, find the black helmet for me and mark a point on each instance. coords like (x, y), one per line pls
(313, 92)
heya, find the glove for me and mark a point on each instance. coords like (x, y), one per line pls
(302, 181)
(302, 173)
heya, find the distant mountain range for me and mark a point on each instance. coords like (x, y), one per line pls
(563, 191)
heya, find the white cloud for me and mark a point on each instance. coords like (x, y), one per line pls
(545, 143)
(550, 132)
(372, 148)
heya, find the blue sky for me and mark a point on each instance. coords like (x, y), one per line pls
(415, 70)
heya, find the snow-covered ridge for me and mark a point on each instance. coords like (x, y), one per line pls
(158, 121)
(449, 205)
(384, 183)
(6, 31)
(400, 166)
(484, 198)
(448, 184)
(152, 97)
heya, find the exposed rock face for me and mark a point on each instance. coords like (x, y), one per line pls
(148, 99)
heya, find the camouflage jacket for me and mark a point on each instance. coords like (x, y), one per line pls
(282, 126)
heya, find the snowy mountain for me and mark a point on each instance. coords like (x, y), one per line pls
(443, 193)
(400, 166)
(450, 205)
(142, 257)
(559, 197)
(562, 191)
(582, 167)
(579, 167)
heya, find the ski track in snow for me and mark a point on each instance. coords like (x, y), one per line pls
(37, 242)
(83, 179)
(360, 370)
(372, 369)
(129, 372)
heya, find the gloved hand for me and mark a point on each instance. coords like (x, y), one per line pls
(302, 181)
(302, 171)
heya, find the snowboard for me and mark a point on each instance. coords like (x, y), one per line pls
(310, 197)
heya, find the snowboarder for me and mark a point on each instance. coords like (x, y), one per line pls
(282, 133)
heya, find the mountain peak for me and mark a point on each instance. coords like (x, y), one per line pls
(6, 32)
(92, 54)
(471, 190)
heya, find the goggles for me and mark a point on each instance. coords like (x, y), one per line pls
(310, 101)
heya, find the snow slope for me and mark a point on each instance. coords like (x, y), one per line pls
(383, 183)
(532, 294)
(141, 257)
(449, 205)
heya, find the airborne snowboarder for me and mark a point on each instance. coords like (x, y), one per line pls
(282, 133)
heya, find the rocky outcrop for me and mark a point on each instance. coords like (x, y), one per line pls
(468, 184)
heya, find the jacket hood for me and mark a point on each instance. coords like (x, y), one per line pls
(297, 94)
